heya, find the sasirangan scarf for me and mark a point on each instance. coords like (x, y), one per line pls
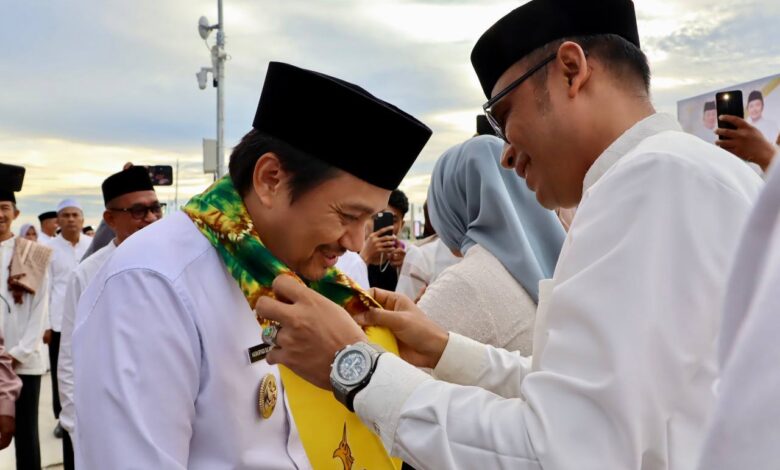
(327, 429)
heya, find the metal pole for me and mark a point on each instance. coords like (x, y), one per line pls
(220, 65)
(176, 197)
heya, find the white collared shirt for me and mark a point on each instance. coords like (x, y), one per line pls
(624, 356)
(65, 257)
(23, 325)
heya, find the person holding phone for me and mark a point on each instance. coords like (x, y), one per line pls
(747, 142)
(383, 252)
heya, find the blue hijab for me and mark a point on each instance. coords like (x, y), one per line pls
(473, 200)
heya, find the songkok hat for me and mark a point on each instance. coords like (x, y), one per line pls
(65, 203)
(11, 179)
(135, 178)
(540, 22)
(483, 126)
(308, 110)
(47, 215)
(755, 95)
(709, 106)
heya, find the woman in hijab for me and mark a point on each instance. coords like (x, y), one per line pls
(508, 242)
(28, 231)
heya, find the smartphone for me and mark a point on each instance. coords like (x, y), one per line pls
(729, 102)
(382, 220)
(161, 175)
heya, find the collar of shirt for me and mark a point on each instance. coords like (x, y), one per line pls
(643, 129)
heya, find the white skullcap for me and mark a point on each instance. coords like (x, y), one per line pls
(65, 203)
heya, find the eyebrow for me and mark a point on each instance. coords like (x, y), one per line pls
(358, 207)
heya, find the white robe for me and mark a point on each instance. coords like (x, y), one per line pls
(64, 259)
(162, 373)
(624, 343)
(745, 431)
(82, 275)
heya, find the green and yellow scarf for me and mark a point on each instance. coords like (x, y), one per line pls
(331, 435)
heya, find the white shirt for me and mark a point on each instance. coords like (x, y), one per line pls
(422, 265)
(351, 264)
(23, 325)
(624, 356)
(162, 373)
(768, 127)
(480, 299)
(746, 427)
(64, 259)
(44, 239)
(82, 275)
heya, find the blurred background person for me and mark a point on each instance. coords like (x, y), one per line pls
(24, 293)
(88, 231)
(755, 108)
(508, 242)
(48, 221)
(131, 204)
(383, 252)
(28, 232)
(69, 246)
(748, 142)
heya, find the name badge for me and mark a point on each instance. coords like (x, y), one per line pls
(258, 353)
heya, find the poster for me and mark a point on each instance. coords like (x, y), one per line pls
(761, 103)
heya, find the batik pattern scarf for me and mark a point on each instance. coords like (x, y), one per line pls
(327, 429)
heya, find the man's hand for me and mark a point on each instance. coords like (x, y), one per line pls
(397, 256)
(746, 142)
(47, 337)
(7, 429)
(378, 243)
(421, 342)
(313, 329)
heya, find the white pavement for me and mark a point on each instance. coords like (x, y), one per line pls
(51, 447)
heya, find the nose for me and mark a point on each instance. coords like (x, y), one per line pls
(508, 157)
(354, 238)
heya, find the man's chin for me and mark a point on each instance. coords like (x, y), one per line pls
(313, 273)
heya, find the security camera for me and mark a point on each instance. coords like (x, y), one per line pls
(202, 77)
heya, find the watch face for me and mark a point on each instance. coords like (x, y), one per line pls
(353, 366)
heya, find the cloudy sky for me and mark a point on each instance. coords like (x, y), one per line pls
(89, 85)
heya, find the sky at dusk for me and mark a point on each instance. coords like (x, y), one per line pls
(90, 85)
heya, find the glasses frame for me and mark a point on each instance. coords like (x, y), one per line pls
(147, 209)
(487, 108)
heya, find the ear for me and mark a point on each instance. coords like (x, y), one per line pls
(574, 64)
(108, 218)
(268, 179)
(16, 213)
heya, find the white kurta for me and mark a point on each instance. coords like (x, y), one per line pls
(82, 275)
(23, 325)
(745, 431)
(162, 373)
(422, 265)
(624, 345)
(64, 259)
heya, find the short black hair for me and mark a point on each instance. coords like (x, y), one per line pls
(399, 201)
(621, 57)
(307, 171)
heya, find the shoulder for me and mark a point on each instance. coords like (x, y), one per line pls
(167, 248)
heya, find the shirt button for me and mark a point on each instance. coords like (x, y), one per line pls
(376, 429)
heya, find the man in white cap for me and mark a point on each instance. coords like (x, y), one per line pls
(68, 248)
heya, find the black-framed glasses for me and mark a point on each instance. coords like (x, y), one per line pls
(139, 211)
(488, 106)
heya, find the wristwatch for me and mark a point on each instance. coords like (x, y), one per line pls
(352, 369)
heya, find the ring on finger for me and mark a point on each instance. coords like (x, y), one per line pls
(269, 334)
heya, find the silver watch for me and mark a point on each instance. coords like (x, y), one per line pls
(352, 369)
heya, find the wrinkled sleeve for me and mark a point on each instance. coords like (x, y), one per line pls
(137, 356)
(65, 361)
(596, 401)
(30, 339)
(10, 384)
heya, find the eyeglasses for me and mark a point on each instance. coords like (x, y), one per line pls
(488, 107)
(139, 211)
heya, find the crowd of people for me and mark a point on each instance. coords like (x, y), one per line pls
(594, 288)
